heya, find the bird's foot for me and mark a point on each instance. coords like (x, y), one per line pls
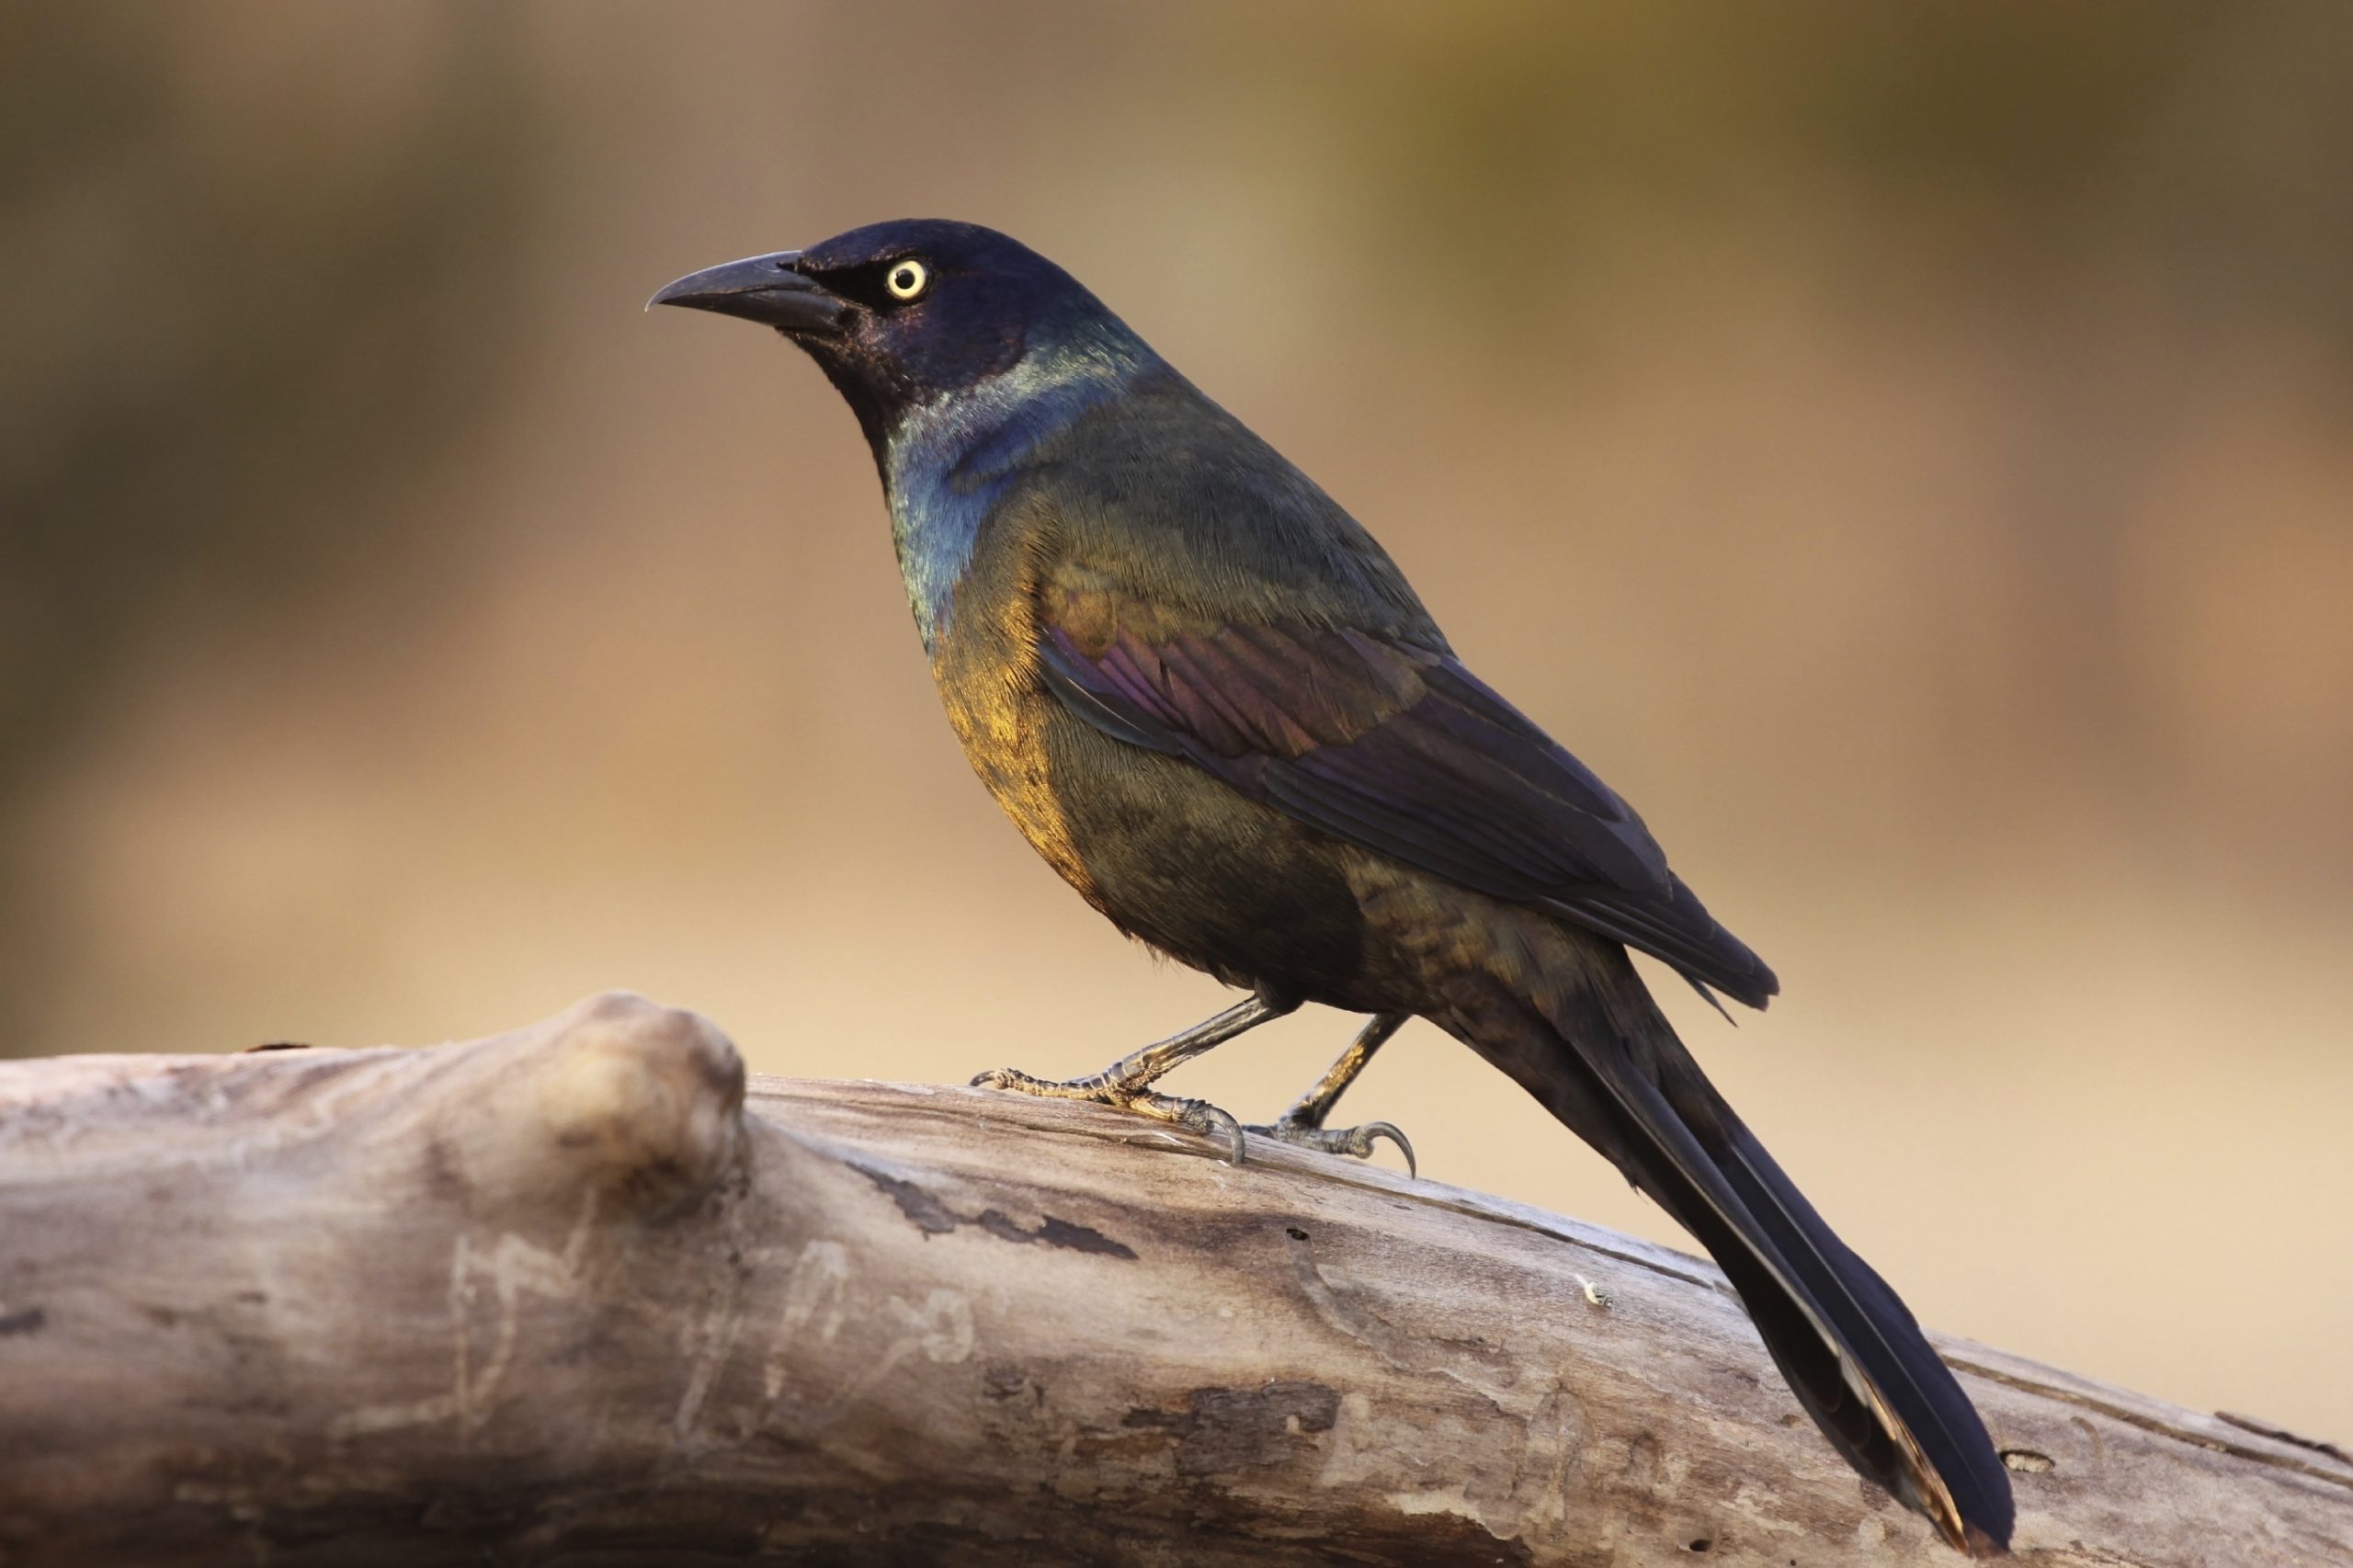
(1356, 1141)
(1108, 1088)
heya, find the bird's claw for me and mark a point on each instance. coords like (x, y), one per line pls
(1018, 1081)
(1195, 1116)
(1198, 1116)
(1356, 1141)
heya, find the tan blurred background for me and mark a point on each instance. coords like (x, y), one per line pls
(1905, 450)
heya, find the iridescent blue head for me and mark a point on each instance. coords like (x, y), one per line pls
(961, 354)
(906, 313)
(961, 351)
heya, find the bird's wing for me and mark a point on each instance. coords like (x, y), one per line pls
(1396, 747)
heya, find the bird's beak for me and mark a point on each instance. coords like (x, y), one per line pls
(765, 288)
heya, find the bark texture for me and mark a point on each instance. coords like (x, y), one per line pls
(556, 1296)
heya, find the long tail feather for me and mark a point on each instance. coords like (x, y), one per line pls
(1610, 1067)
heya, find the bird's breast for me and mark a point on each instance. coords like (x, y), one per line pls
(984, 659)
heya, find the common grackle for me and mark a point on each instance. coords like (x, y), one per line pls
(1207, 698)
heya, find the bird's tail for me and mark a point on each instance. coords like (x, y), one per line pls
(1601, 1056)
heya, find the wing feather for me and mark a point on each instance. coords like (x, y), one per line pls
(1399, 749)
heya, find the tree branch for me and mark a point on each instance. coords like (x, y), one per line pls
(553, 1294)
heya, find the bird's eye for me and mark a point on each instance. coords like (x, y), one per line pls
(907, 279)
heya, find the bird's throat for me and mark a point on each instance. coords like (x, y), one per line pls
(950, 463)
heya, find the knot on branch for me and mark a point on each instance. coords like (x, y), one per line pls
(618, 1095)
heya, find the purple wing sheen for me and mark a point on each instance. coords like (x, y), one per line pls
(1402, 750)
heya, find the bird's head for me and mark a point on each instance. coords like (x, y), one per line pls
(903, 314)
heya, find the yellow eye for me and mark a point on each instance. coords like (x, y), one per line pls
(907, 279)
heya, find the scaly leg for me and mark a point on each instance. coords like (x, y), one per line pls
(1127, 1083)
(1304, 1123)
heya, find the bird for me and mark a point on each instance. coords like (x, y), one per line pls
(1212, 703)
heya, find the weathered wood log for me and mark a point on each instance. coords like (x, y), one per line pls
(553, 1295)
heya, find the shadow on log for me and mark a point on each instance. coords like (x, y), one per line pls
(554, 1296)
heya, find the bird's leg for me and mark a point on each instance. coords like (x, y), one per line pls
(1127, 1083)
(1303, 1122)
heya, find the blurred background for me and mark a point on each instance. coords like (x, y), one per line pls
(1907, 451)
